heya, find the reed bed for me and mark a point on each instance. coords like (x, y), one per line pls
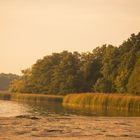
(31, 97)
(102, 101)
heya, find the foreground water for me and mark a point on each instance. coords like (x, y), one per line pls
(12, 108)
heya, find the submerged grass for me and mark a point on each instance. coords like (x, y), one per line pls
(102, 101)
(31, 97)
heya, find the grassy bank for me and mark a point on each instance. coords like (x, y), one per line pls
(104, 101)
(30, 97)
(82, 101)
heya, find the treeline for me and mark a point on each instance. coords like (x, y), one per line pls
(5, 80)
(107, 69)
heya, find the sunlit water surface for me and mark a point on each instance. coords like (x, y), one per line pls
(12, 108)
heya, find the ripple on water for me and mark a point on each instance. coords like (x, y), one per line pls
(11, 109)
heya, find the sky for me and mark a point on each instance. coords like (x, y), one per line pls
(31, 29)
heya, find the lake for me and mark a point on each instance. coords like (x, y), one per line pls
(13, 108)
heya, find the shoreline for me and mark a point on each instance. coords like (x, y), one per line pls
(69, 128)
(90, 101)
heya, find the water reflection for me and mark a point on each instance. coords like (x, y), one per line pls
(56, 108)
(11, 108)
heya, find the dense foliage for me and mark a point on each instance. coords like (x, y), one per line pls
(106, 69)
(5, 80)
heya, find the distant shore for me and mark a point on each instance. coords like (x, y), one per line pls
(69, 128)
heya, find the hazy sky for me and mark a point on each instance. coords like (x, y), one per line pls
(31, 29)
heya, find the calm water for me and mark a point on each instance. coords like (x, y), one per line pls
(12, 108)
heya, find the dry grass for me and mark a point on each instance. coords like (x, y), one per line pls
(105, 101)
(31, 97)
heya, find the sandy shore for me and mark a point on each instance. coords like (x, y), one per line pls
(69, 128)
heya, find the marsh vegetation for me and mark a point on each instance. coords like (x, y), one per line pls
(31, 97)
(103, 101)
(79, 104)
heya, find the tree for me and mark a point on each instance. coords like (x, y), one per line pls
(102, 85)
(106, 69)
(67, 77)
(128, 53)
(134, 80)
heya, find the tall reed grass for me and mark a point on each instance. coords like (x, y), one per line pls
(31, 97)
(102, 101)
